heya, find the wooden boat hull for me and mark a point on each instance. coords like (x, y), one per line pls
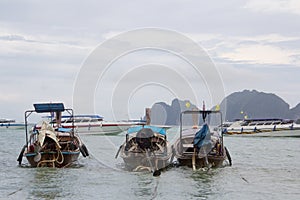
(145, 149)
(145, 161)
(214, 161)
(48, 145)
(59, 149)
(52, 159)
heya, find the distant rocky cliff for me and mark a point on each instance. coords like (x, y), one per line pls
(238, 105)
(254, 104)
(162, 113)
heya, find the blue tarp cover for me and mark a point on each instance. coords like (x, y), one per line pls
(60, 129)
(200, 136)
(153, 128)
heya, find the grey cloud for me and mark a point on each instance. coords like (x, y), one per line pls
(51, 39)
(13, 38)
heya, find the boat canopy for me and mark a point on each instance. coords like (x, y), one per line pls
(49, 107)
(153, 128)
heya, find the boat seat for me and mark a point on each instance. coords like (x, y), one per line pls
(187, 148)
(65, 142)
(187, 145)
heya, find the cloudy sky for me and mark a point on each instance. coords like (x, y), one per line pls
(254, 44)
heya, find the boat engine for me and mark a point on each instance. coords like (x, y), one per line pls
(143, 138)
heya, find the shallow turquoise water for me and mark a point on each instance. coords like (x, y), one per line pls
(263, 168)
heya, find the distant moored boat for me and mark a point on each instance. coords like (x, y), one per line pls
(11, 123)
(263, 127)
(94, 124)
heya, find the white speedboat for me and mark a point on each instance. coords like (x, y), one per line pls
(255, 126)
(94, 124)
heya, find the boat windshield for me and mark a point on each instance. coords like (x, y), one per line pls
(196, 119)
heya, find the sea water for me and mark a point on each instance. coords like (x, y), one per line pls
(263, 168)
